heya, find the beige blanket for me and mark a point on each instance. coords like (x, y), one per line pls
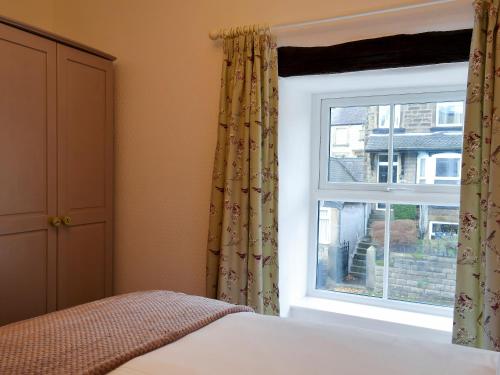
(97, 337)
(253, 344)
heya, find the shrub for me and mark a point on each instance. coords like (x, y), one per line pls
(404, 212)
(403, 234)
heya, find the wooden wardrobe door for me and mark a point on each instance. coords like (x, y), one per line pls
(85, 178)
(27, 174)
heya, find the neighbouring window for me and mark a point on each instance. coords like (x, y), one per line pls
(340, 136)
(384, 116)
(324, 226)
(447, 170)
(442, 230)
(387, 198)
(450, 114)
(440, 168)
(383, 168)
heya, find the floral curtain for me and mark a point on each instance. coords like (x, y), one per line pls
(477, 314)
(242, 258)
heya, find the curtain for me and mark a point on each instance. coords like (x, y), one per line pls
(477, 314)
(242, 257)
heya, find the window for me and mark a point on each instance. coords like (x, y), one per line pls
(324, 231)
(447, 170)
(391, 233)
(340, 136)
(442, 230)
(439, 169)
(383, 168)
(450, 114)
(384, 114)
(421, 166)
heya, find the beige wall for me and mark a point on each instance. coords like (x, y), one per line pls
(167, 80)
(38, 13)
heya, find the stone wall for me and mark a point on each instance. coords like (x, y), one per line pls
(408, 167)
(427, 279)
(416, 118)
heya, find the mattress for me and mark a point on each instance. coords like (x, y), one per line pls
(246, 343)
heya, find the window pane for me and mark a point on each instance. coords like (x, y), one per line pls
(384, 116)
(422, 253)
(424, 152)
(447, 167)
(450, 114)
(420, 142)
(422, 167)
(340, 136)
(350, 248)
(349, 128)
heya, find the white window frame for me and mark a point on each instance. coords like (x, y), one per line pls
(389, 193)
(442, 104)
(431, 223)
(397, 121)
(431, 166)
(448, 155)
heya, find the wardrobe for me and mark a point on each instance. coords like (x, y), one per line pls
(56, 172)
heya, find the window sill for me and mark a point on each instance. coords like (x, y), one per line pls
(392, 321)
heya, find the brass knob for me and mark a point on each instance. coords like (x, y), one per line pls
(55, 221)
(67, 220)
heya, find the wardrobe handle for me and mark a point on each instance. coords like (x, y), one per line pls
(67, 220)
(55, 221)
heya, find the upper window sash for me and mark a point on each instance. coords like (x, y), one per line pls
(394, 99)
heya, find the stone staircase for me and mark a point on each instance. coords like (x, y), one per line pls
(357, 271)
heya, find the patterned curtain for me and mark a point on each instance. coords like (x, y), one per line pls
(242, 258)
(477, 315)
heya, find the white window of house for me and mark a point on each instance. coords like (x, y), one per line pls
(447, 169)
(383, 168)
(325, 228)
(340, 136)
(422, 168)
(387, 218)
(384, 114)
(442, 230)
(441, 169)
(450, 114)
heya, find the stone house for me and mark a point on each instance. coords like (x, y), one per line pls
(427, 144)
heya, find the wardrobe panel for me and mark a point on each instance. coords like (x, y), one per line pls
(27, 174)
(85, 179)
(23, 169)
(86, 135)
(81, 265)
(23, 275)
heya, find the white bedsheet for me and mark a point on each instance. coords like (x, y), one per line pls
(247, 343)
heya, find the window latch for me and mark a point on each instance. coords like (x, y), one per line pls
(398, 189)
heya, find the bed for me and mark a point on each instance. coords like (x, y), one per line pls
(162, 332)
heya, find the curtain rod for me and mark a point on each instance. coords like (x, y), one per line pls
(217, 34)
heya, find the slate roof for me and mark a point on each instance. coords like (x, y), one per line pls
(333, 204)
(346, 170)
(349, 116)
(416, 141)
